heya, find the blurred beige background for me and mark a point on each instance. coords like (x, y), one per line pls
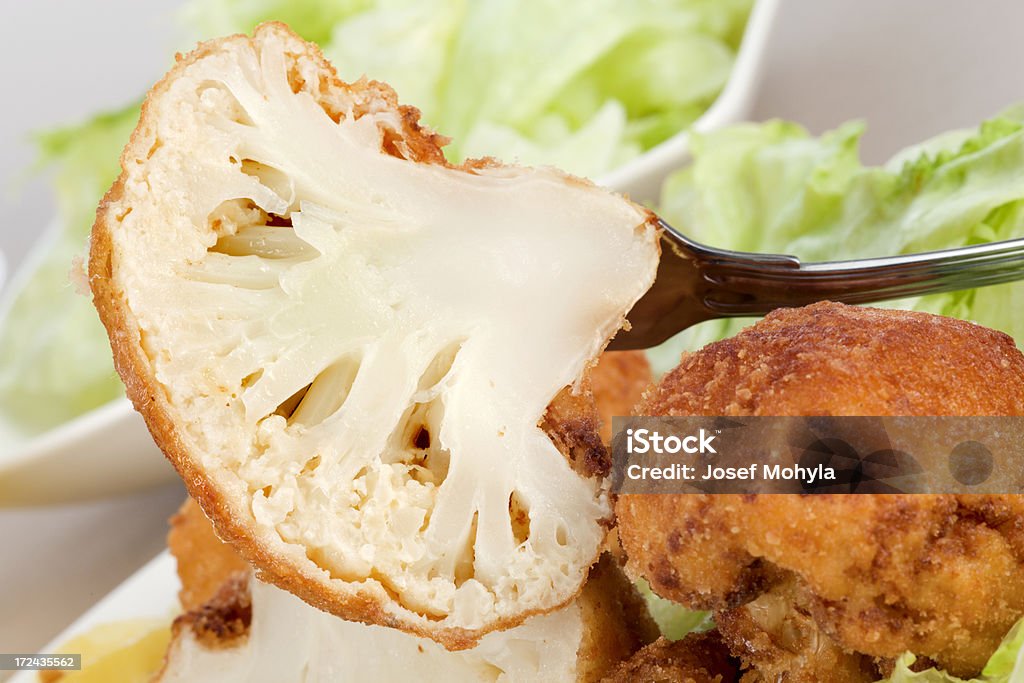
(911, 68)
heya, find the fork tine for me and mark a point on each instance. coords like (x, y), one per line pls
(1009, 251)
(749, 289)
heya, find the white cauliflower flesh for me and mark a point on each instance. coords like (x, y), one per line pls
(346, 348)
(290, 642)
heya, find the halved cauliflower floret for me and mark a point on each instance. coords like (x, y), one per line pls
(250, 632)
(348, 348)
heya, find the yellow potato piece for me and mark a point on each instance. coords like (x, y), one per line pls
(119, 652)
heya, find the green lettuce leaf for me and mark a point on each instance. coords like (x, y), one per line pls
(772, 187)
(401, 42)
(1007, 662)
(1005, 666)
(563, 64)
(55, 356)
(674, 620)
(312, 19)
(582, 85)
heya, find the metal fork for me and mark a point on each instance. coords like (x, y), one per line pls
(697, 283)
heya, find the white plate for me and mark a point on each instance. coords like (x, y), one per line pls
(151, 592)
(108, 450)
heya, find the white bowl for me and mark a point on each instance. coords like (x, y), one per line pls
(109, 450)
(641, 178)
(103, 452)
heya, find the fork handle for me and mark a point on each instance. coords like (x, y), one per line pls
(697, 283)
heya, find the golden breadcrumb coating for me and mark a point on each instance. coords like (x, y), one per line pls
(939, 575)
(619, 381)
(832, 359)
(616, 618)
(777, 639)
(223, 620)
(204, 561)
(697, 658)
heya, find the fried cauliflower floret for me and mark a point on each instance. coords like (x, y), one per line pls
(252, 632)
(697, 658)
(833, 359)
(215, 639)
(347, 347)
(938, 575)
(777, 639)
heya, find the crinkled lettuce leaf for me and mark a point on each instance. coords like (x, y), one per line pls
(1007, 662)
(405, 44)
(1005, 666)
(312, 19)
(563, 64)
(54, 355)
(773, 187)
(582, 85)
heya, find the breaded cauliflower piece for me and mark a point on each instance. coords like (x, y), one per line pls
(939, 575)
(248, 631)
(348, 347)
